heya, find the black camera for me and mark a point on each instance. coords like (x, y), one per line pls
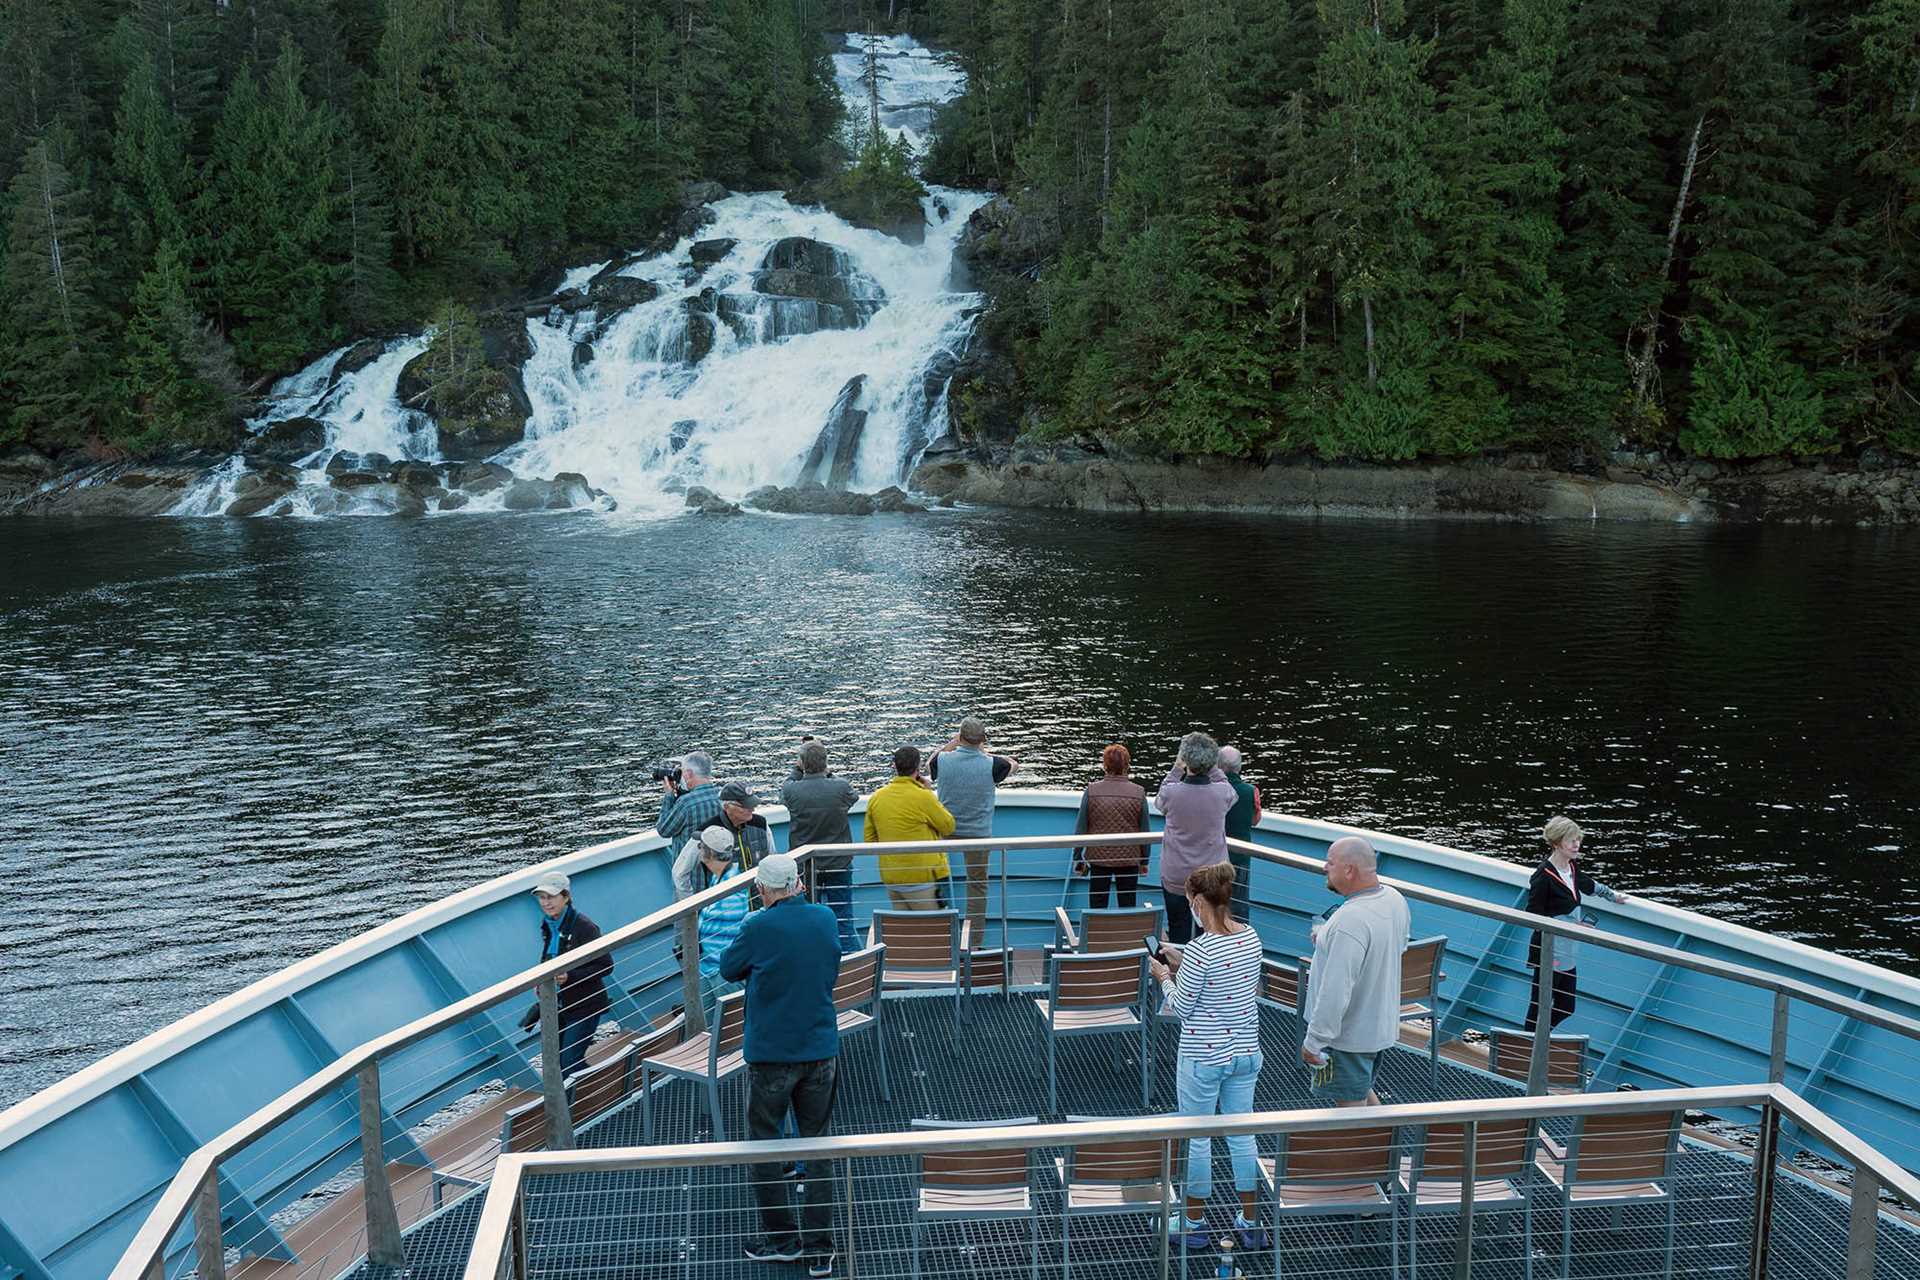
(668, 772)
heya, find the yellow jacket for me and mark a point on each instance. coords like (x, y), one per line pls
(905, 810)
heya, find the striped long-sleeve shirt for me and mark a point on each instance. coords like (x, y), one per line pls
(1214, 992)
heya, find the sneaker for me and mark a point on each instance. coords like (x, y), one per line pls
(820, 1265)
(793, 1171)
(763, 1251)
(1251, 1235)
(1189, 1234)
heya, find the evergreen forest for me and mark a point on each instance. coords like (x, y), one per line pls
(1373, 229)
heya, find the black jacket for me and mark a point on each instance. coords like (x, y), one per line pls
(584, 992)
(1547, 895)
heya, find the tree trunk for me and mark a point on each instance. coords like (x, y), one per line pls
(1373, 365)
(1643, 364)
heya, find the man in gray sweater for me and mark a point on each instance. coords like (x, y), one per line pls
(1353, 986)
(817, 805)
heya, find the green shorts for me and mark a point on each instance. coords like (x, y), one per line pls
(1345, 1077)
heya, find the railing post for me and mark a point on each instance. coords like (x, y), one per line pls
(1167, 1207)
(553, 1084)
(1863, 1225)
(1006, 939)
(687, 929)
(383, 1220)
(1777, 1057)
(207, 1244)
(853, 1245)
(1463, 1253)
(1542, 1018)
(1765, 1154)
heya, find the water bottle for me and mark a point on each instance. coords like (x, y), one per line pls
(1226, 1270)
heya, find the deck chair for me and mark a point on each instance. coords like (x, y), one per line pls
(991, 967)
(974, 1186)
(1097, 1178)
(1612, 1161)
(856, 1002)
(1284, 985)
(1107, 929)
(1346, 1173)
(601, 1086)
(1431, 1179)
(1420, 979)
(1510, 1054)
(924, 949)
(522, 1128)
(714, 1056)
(1096, 995)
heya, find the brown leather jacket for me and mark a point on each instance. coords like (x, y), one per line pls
(1111, 805)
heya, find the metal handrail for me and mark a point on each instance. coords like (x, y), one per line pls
(499, 1211)
(1883, 1018)
(142, 1257)
(144, 1252)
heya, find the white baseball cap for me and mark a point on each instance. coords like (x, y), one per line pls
(552, 883)
(718, 841)
(777, 871)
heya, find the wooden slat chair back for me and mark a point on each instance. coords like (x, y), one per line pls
(1629, 1148)
(1139, 1161)
(924, 948)
(664, 1034)
(1419, 993)
(859, 981)
(732, 1031)
(525, 1128)
(1137, 1176)
(1347, 1156)
(1284, 984)
(1100, 993)
(1119, 928)
(992, 967)
(984, 1185)
(856, 1002)
(1510, 1054)
(601, 1087)
(1501, 1150)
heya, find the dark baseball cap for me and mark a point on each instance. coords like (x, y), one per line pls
(736, 793)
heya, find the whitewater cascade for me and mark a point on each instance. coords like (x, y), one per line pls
(776, 330)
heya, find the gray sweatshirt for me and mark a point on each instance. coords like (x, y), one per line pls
(1353, 988)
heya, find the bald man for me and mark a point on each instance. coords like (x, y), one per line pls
(1353, 987)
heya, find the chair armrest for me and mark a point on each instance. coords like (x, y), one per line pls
(966, 937)
(1064, 936)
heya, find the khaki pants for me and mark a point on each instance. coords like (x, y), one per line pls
(977, 892)
(916, 897)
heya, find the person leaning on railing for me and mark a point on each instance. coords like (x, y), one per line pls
(1556, 889)
(964, 776)
(906, 809)
(817, 805)
(1111, 805)
(1216, 979)
(690, 804)
(1194, 799)
(583, 991)
(752, 838)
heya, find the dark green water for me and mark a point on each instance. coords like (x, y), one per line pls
(227, 744)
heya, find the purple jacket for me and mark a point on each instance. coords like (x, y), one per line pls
(1196, 835)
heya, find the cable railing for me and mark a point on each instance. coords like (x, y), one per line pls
(1471, 1184)
(326, 1127)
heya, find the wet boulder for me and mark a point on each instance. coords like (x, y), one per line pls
(836, 448)
(582, 355)
(478, 478)
(414, 475)
(256, 490)
(611, 294)
(534, 495)
(894, 500)
(680, 432)
(809, 500)
(700, 191)
(288, 440)
(705, 253)
(357, 357)
(348, 470)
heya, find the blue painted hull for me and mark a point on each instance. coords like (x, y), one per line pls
(82, 1162)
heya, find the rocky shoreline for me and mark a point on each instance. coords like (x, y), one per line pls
(1640, 488)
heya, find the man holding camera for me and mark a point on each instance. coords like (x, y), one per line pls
(692, 803)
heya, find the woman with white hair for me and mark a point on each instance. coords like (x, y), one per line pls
(1194, 799)
(1558, 886)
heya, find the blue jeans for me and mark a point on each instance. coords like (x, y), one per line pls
(575, 1036)
(1207, 1087)
(834, 890)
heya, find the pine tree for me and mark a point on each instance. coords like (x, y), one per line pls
(1499, 233)
(570, 135)
(150, 171)
(1606, 98)
(56, 327)
(175, 379)
(181, 40)
(368, 297)
(267, 216)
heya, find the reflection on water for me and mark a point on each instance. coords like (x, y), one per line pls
(228, 744)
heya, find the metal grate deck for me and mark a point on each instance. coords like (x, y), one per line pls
(689, 1224)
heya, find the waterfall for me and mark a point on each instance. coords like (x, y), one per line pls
(727, 376)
